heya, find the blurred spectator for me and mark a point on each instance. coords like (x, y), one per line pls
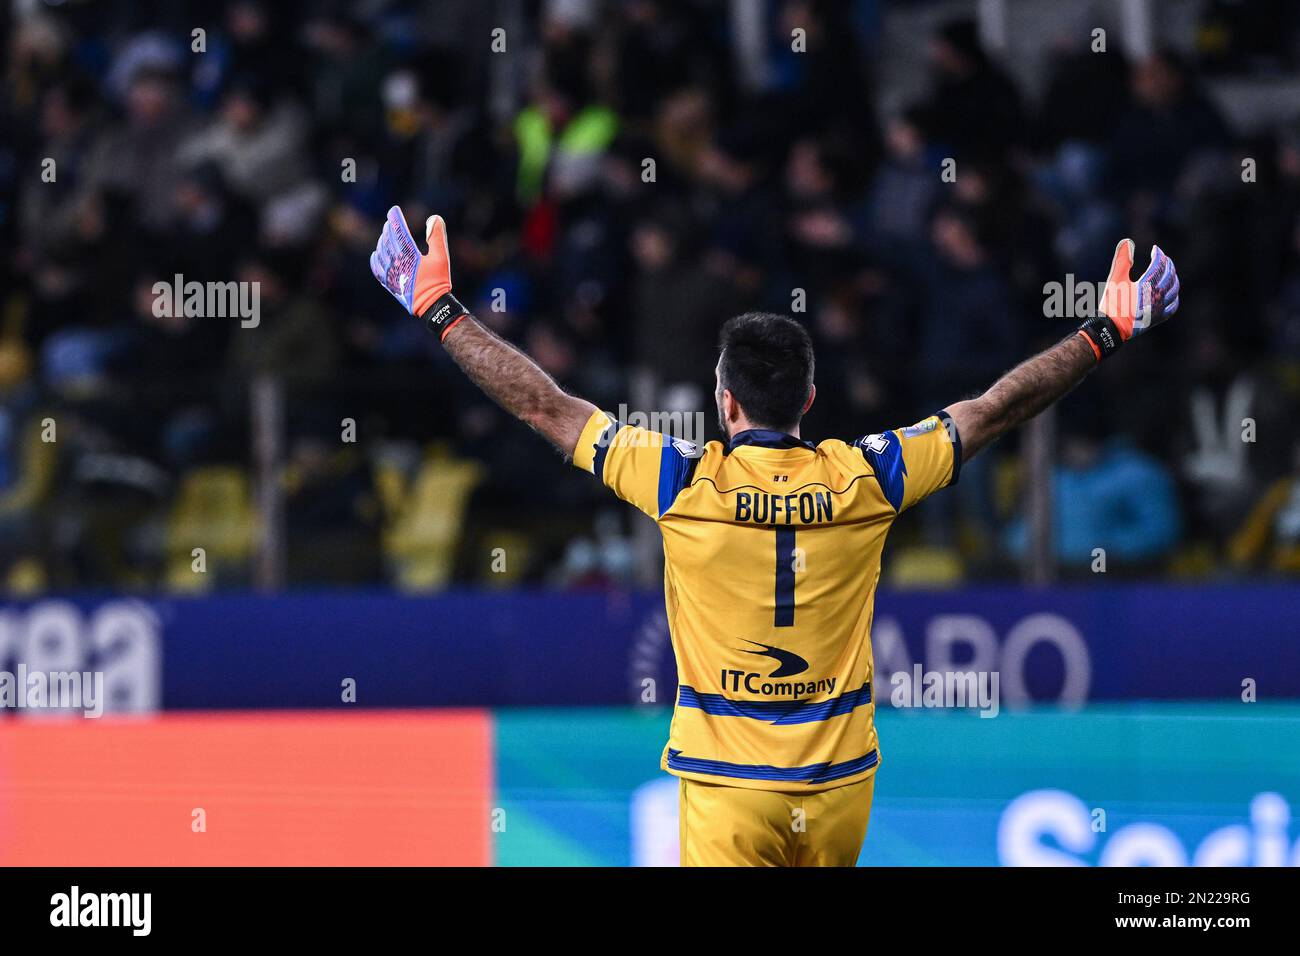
(332, 512)
(905, 187)
(345, 71)
(139, 156)
(560, 135)
(290, 341)
(252, 44)
(1111, 497)
(973, 108)
(256, 143)
(678, 303)
(968, 324)
(1169, 123)
(49, 217)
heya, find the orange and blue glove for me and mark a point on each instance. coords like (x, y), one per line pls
(421, 282)
(1129, 308)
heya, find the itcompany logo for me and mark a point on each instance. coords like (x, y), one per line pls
(788, 664)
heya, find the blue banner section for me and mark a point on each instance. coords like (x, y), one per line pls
(451, 650)
(554, 649)
(1100, 643)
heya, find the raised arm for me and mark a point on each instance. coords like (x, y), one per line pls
(1126, 309)
(517, 384)
(1022, 393)
(422, 283)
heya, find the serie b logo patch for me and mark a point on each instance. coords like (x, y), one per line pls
(921, 428)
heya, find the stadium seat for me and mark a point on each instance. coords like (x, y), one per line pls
(420, 542)
(391, 485)
(923, 567)
(516, 548)
(213, 510)
(37, 475)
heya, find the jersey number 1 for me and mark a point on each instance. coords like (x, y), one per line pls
(785, 556)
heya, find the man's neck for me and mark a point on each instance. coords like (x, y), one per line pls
(743, 424)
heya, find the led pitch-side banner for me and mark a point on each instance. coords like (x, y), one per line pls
(255, 788)
(1111, 785)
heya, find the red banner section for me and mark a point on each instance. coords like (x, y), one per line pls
(372, 788)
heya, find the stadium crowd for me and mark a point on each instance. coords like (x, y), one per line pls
(618, 178)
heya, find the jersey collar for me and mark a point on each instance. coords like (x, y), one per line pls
(767, 438)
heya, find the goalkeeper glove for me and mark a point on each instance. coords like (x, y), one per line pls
(422, 283)
(1129, 308)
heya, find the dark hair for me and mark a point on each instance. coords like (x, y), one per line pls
(767, 364)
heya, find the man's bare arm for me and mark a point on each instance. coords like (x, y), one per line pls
(1126, 309)
(421, 282)
(1022, 393)
(516, 383)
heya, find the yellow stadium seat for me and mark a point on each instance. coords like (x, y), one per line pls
(420, 542)
(922, 567)
(213, 510)
(391, 486)
(506, 556)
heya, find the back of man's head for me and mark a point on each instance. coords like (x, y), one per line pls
(767, 365)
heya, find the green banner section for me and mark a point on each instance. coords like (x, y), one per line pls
(1143, 784)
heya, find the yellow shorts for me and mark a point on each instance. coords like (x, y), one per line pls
(733, 826)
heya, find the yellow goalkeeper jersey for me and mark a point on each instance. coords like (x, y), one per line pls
(771, 557)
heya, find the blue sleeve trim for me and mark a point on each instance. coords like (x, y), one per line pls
(951, 426)
(886, 460)
(675, 473)
(602, 449)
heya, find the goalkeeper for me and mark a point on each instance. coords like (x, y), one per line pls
(772, 545)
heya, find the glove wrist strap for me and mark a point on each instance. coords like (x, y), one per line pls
(1101, 333)
(445, 312)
